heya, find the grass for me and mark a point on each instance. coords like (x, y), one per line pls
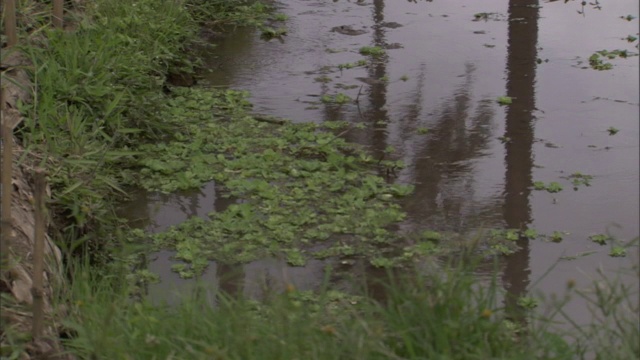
(100, 92)
(443, 314)
(100, 109)
(430, 316)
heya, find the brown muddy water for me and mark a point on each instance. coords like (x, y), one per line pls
(475, 167)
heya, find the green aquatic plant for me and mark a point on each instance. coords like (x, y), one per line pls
(323, 79)
(502, 241)
(338, 98)
(300, 185)
(600, 239)
(552, 187)
(505, 100)
(372, 50)
(280, 17)
(530, 234)
(269, 33)
(596, 63)
(346, 66)
(352, 65)
(557, 236)
(597, 59)
(618, 251)
(578, 179)
(612, 131)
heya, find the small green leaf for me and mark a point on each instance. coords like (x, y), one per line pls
(505, 100)
(618, 251)
(600, 239)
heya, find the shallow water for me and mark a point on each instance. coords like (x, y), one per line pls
(467, 176)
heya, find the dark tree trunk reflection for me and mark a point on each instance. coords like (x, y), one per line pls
(521, 73)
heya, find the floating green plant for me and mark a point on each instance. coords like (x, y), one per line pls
(600, 239)
(552, 187)
(338, 98)
(299, 186)
(579, 179)
(372, 50)
(269, 33)
(618, 251)
(505, 100)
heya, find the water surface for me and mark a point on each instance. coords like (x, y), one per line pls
(474, 169)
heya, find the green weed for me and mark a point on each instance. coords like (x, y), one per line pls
(280, 17)
(612, 131)
(598, 59)
(436, 315)
(338, 98)
(505, 100)
(372, 50)
(552, 187)
(99, 94)
(271, 33)
(229, 13)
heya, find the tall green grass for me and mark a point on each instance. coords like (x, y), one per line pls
(99, 92)
(445, 315)
(613, 307)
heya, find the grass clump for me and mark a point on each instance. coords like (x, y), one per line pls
(99, 92)
(445, 315)
(229, 13)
